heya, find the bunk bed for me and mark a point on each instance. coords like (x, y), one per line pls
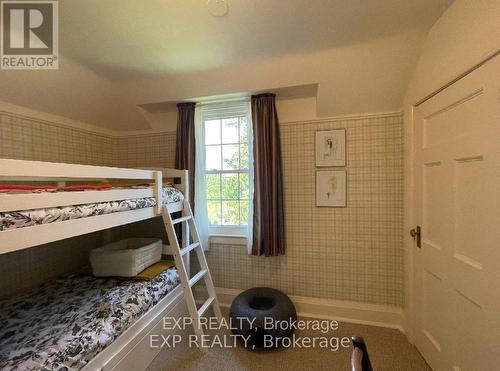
(34, 217)
(12, 239)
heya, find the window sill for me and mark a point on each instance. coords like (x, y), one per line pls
(224, 239)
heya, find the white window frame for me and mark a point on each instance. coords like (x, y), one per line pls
(220, 111)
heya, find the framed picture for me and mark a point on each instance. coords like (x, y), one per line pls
(330, 148)
(331, 188)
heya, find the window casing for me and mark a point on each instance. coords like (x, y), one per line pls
(227, 171)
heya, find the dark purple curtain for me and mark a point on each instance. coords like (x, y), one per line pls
(185, 152)
(269, 215)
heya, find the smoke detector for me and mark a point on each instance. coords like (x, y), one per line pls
(218, 8)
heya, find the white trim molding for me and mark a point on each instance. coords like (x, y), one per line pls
(25, 113)
(342, 311)
(359, 116)
(225, 239)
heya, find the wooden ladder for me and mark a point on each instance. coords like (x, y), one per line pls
(191, 242)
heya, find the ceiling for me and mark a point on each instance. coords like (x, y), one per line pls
(127, 39)
(119, 55)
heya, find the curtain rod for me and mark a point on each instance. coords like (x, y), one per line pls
(216, 101)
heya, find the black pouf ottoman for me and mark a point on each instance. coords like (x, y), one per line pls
(260, 305)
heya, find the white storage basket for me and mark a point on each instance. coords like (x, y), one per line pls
(125, 258)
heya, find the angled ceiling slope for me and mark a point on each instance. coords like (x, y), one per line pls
(118, 55)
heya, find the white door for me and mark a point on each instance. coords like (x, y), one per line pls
(457, 206)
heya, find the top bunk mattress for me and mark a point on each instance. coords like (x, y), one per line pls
(27, 218)
(65, 323)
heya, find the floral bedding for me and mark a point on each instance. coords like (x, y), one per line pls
(65, 323)
(27, 218)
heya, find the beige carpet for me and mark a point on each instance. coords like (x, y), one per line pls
(389, 350)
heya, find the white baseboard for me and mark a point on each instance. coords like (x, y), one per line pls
(339, 310)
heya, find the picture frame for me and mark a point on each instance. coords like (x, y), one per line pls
(330, 148)
(331, 188)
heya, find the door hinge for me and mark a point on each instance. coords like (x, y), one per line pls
(416, 233)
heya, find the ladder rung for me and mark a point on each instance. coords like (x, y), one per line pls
(187, 249)
(205, 306)
(180, 220)
(198, 276)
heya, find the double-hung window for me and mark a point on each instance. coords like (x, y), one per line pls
(228, 145)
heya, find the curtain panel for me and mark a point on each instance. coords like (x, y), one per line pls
(185, 153)
(269, 215)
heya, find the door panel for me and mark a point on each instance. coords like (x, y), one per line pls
(452, 120)
(457, 204)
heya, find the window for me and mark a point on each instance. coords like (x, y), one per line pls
(227, 171)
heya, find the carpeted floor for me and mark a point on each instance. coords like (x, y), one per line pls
(389, 350)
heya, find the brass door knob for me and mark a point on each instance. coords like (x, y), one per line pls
(416, 233)
(413, 232)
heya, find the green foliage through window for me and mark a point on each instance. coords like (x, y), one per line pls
(227, 180)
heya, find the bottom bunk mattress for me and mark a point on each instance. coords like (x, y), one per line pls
(65, 323)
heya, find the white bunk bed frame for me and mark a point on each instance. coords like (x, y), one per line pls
(32, 171)
(131, 349)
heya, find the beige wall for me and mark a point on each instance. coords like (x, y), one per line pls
(145, 150)
(466, 33)
(34, 139)
(27, 138)
(350, 254)
(347, 254)
(24, 269)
